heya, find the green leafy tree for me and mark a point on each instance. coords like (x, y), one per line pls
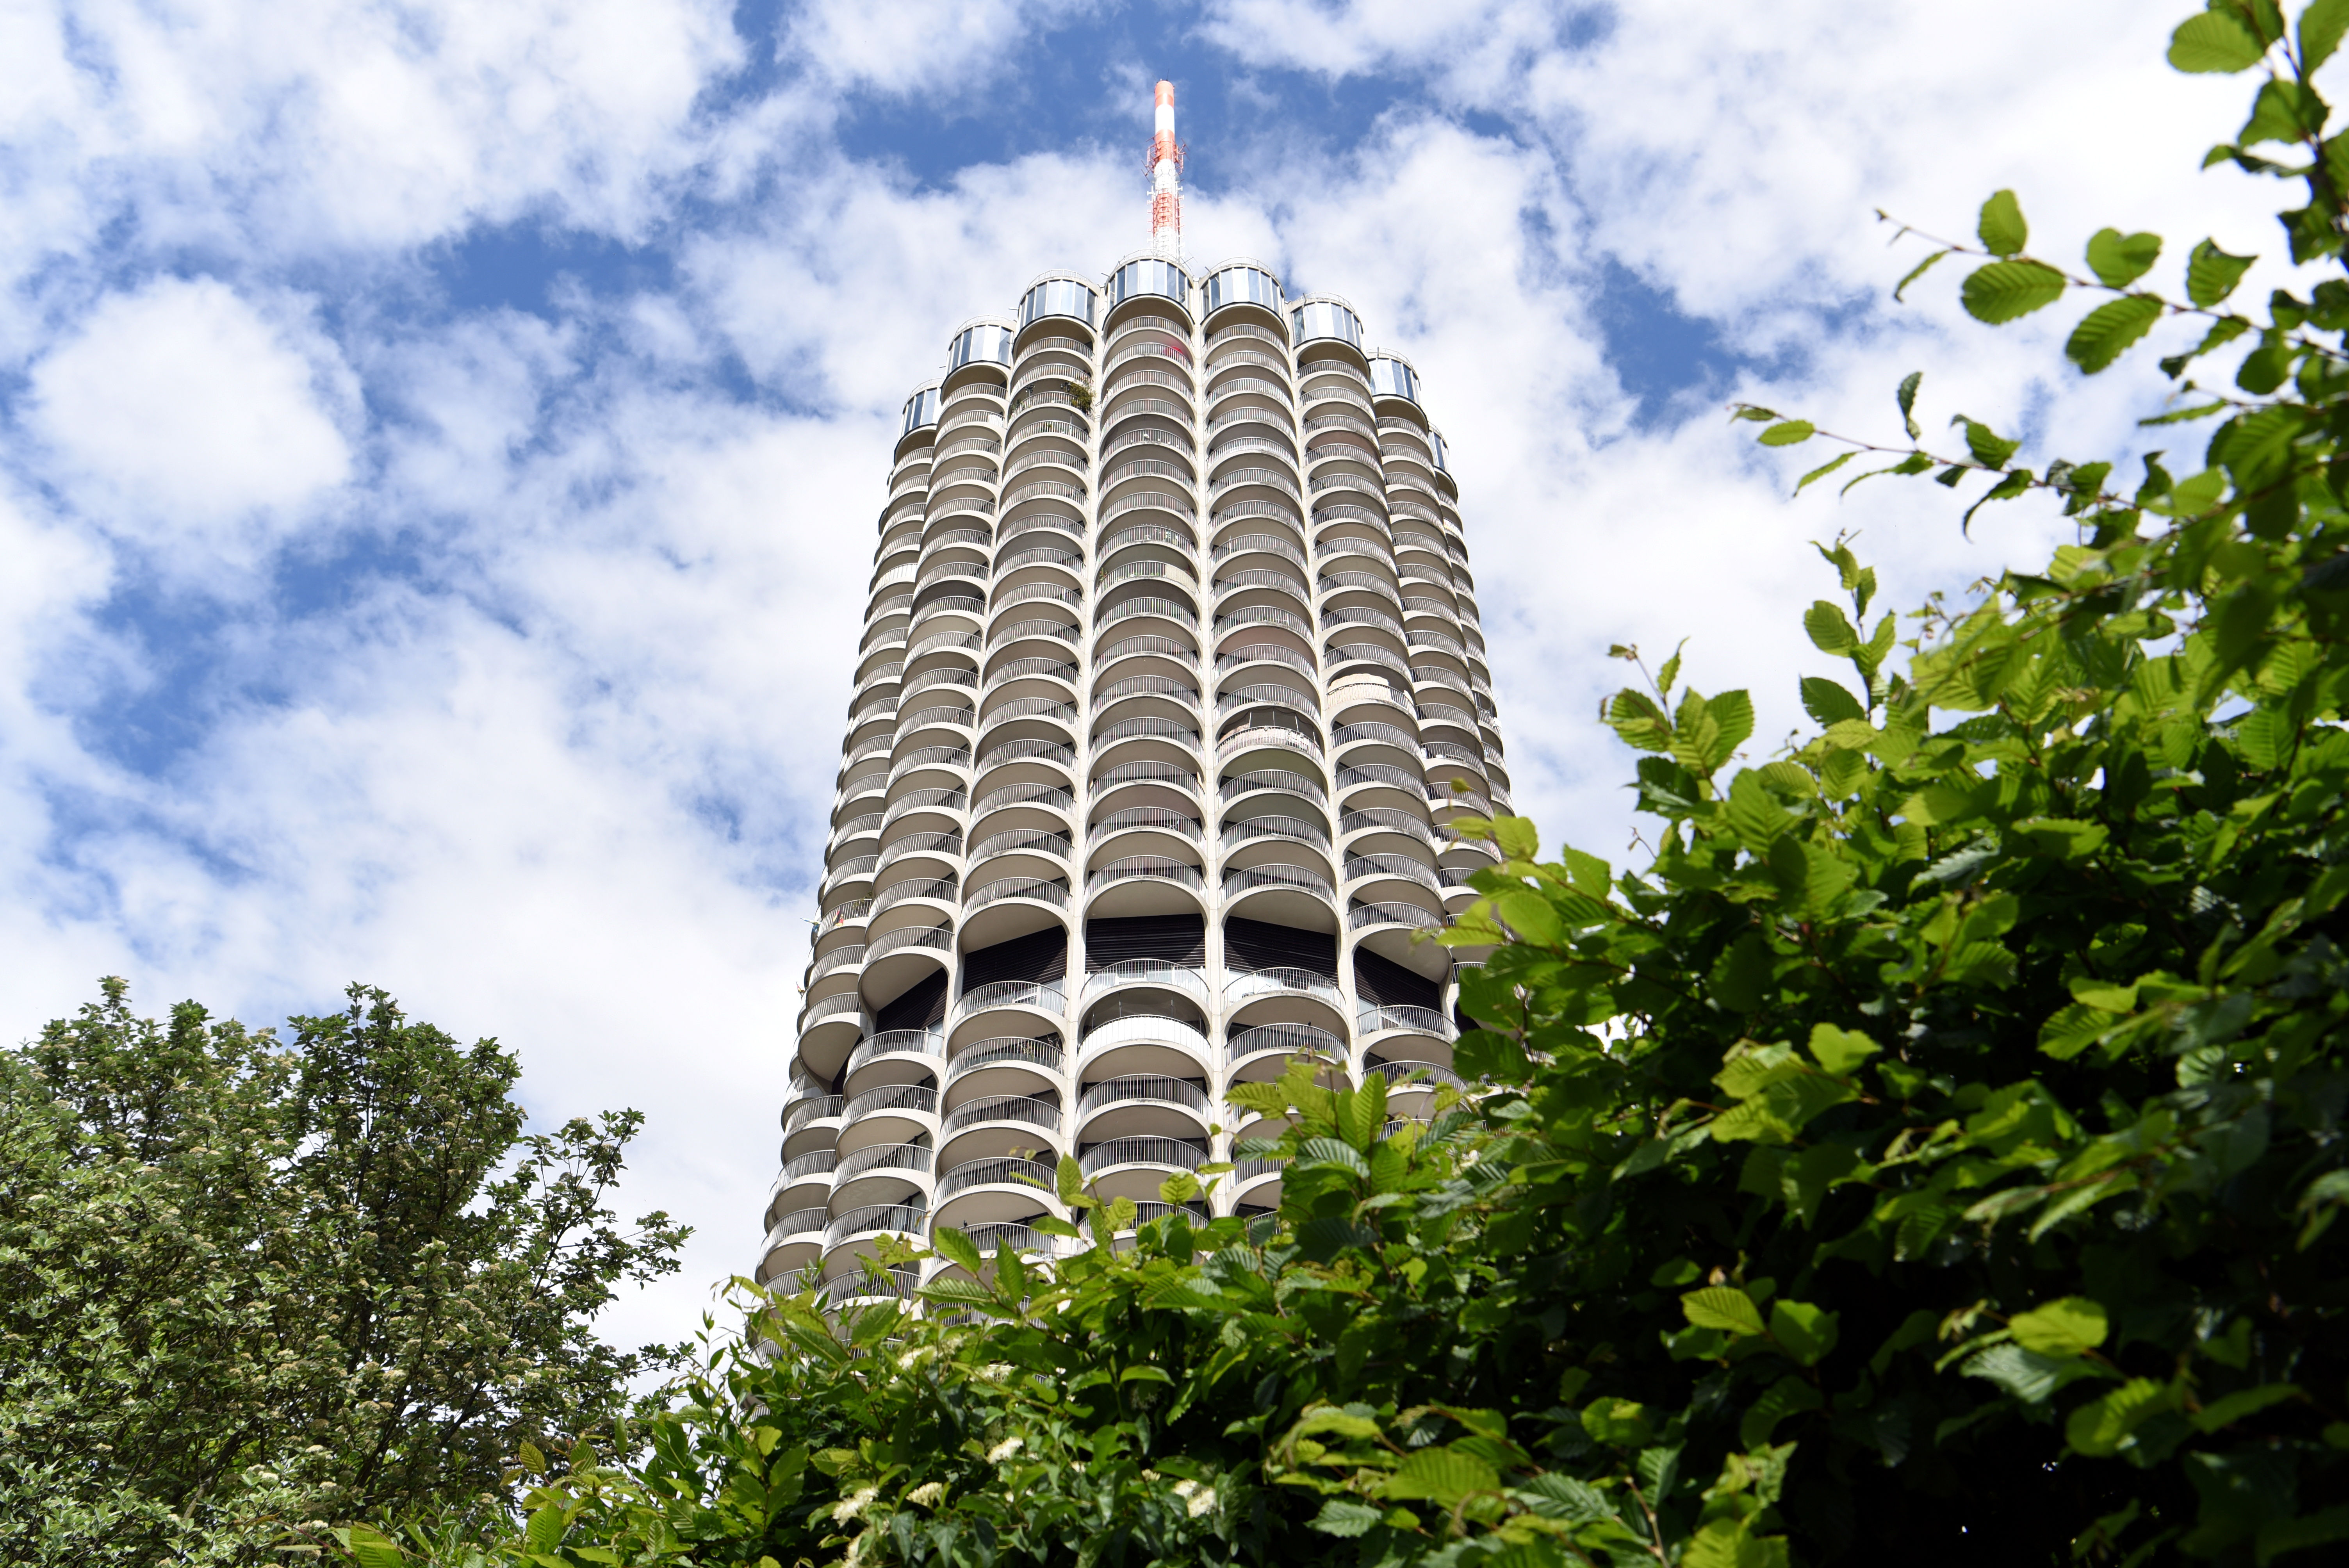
(1936, 1147)
(248, 1285)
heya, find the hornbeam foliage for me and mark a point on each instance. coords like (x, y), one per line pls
(1937, 1147)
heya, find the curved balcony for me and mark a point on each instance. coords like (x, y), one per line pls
(855, 1231)
(849, 916)
(1288, 830)
(1159, 617)
(1356, 830)
(1146, 783)
(1359, 787)
(1145, 884)
(1025, 762)
(1011, 906)
(933, 810)
(1018, 1112)
(1389, 930)
(1142, 1105)
(1162, 506)
(1393, 878)
(931, 767)
(894, 1113)
(1148, 655)
(1411, 1085)
(1250, 625)
(1146, 738)
(1135, 1167)
(1283, 995)
(832, 963)
(1256, 746)
(802, 1183)
(1020, 852)
(1007, 1065)
(882, 1173)
(900, 957)
(992, 1236)
(1252, 658)
(1423, 1033)
(812, 1125)
(1282, 895)
(923, 902)
(1156, 1044)
(894, 1057)
(1256, 1181)
(945, 847)
(828, 1028)
(858, 1287)
(1138, 974)
(1038, 1001)
(994, 1189)
(1262, 1054)
(793, 1241)
(1031, 675)
(1145, 829)
(1041, 807)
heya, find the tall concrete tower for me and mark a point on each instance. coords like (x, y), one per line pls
(1170, 672)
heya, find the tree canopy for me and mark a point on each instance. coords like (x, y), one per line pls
(248, 1284)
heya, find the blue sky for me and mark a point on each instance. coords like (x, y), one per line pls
(425, 430)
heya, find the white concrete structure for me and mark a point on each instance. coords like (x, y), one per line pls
(1169, 669)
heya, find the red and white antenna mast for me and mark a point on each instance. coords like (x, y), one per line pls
(1166, 181)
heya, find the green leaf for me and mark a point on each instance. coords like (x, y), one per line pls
(1840, 1051)
(1443, 1475)
(2212, 273)
(1828, 701)
(2003, 232)
(2119, 260)
(1805, 1332)
(2284, 111)
(2099, 1428)
(1990, 448)
(1622, 1423)
(546, 1530)
(957, 1247)
(1918, 271)
(2320, 30)
(1532, 917)
(1830, 631)
(373, 1549)
(1787, 433)
(2071, 1326)
(2006, 291)
(2107, 331)
(1907, 397)
(2243, 1403)
(1830, 465)
(2214, 41)
(1068, 1181)
(1722, 1307)
(1343, 1516)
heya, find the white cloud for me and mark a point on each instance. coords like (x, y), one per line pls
(179, 418)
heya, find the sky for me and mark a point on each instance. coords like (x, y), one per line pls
(440, 443)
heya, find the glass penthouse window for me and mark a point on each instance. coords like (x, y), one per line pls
(1326, 319)
(1239, 285)
(988, 343)
(1056, 296)
(1164, 279)
(921, 409)
(1390, 378)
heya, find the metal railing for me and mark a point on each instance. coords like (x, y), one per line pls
(1139, 972)
(1144, 1088)
(1169, 1152)
(1024, 1108)
(1280, 980)
(1288, 1040)
(881, 1159)
(917, 1098)
(1010, 1170)
(1005, 1050)
(897, 1043)
(1153, 867)
(1364, 915)
(820, 1108)
(1373, 1019)
(1043, 996)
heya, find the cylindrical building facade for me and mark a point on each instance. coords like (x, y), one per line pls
(1171, 677)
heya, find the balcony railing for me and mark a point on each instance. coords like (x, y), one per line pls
(918, 1098)
(1011, 1170)
(881, 1159)
(1043, 996)
(822, 1108)
(876, 1219)
(1279, 981)
(1364, 915)
(1288, 1039)
(1249, 878)
(897, 1043)
(1008, 1051)
(1140, 972)
(1153, 868)
(1167, 1152)
(1144, 1088)
(912, 938)
(1023, 1109)
(1371, 1020)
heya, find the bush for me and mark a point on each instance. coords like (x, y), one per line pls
(1939, 1145)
